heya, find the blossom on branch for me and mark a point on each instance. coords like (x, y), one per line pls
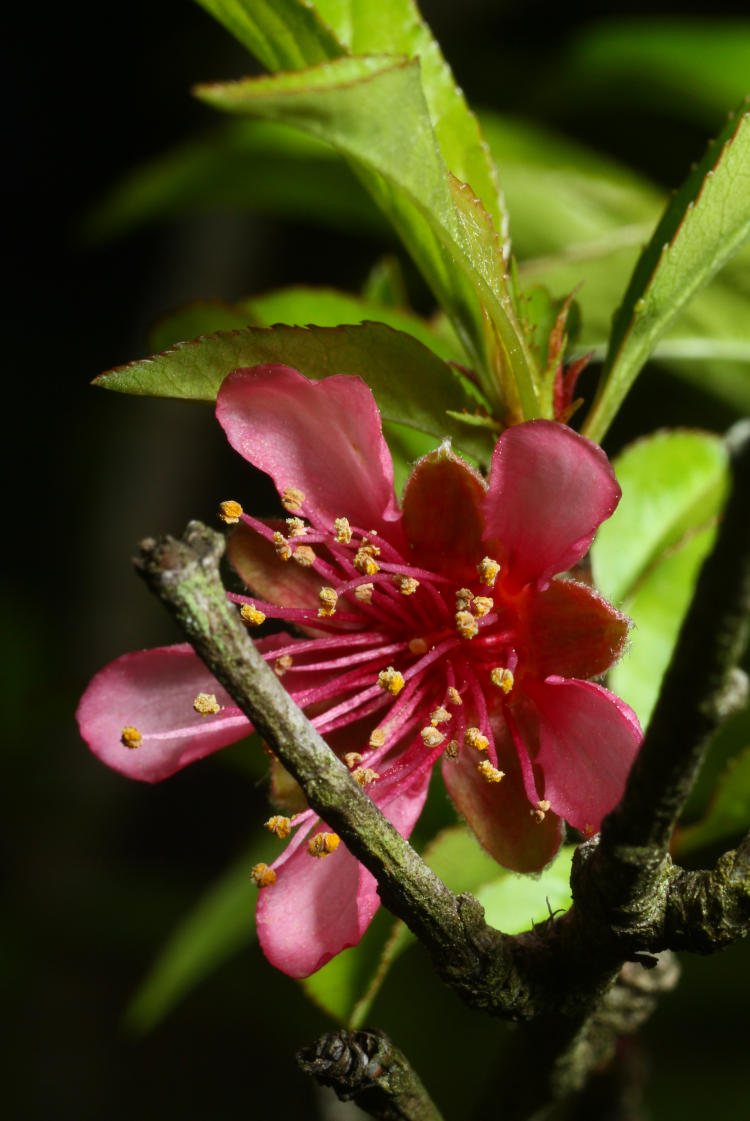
(435, 631)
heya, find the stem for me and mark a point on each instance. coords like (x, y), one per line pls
(365, 1066)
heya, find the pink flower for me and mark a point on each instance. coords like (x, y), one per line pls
(433, 631)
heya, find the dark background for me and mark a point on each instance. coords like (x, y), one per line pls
(99, 870)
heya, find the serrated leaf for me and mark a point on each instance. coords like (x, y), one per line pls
(282, 34)
(706, 222)
(220, 925)
(373, 111)
(395, 27)
(296, 306)
(410, 384)
(728, 812)
(673, 484)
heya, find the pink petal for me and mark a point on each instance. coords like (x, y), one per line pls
(571, 630)
(266, 575)
(153, 691)
(441, 516)
(549, 490)
(588, 739)
(323, 438)
(319, 907)
(500, 814)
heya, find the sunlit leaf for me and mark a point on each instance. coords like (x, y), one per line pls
(673, 484)
(657, 609)
(410, 383)
(728, 813)
(374, 112)
(282, 34)
(646, 557)
(296, 306)
(706, 222)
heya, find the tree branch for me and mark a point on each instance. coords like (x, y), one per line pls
(365, 1066)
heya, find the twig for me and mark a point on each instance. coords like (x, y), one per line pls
(365, 1066)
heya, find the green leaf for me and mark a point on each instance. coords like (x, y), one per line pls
(673, 484)
(682, 66)
(515, 903)
(221, 924)
(347, 986)
(373, 111)
(411, 384)
(728, 813)
(707, 221)
(296, 306)
(646, 557)
(282, 34)
(395, 27)
(657, 609)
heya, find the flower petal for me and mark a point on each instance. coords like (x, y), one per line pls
(323, 438)
(441, 515)
(549, 490)
(572, 631)
(153, 691)
(500, 813)
(254, 559)
(588, 739)
(319, 907)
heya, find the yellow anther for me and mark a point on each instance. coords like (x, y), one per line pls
(377, 738)
(230, 511)
(304, 555)
(452, 749)
(365, 775)
(296, 527)
(391, 681)
(364, 563)
(463, 598)
(363, 592)
(342, 530)
(407, 585)
(475, 739)
(418, 646)
(206, 704)
(250, 614)
(370, 547)
(482, 605)
(541, 811)
(327, 597)
(440, 715)
(282, 546)
(431, 737)
(490, 773)
(262, 875)
(282, 664)
(280, 826)
(454, 697)
(292, 498)
(130, 737)
(488, 570)
(466, 624)
(352, 759)
(503, 678)
(322, 844)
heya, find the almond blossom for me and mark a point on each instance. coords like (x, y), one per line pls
(440, 630)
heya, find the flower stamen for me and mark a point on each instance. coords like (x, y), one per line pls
(391, 680)
(230, 512)
(130, 737)
(292, 499)
(262, 875)
(489, 773)
(250, 614)
(503, 678)
(323, 844)
(488, 570)
(206, 704)
(280, 826)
